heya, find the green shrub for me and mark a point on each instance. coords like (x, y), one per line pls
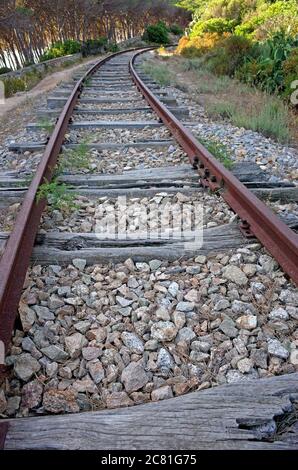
(4, 70)
(290, 72)
(112, 47)
(228, 55)
(14, 85)
(264, 67)
(60, 49)
(157, 34)
(175, 29)
(198, 46)
(71, 47)
(213, 25)
(93, 46)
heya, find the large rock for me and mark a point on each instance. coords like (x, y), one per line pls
(192, 296)
(118, 400)
(43, 313)
(82, 326)
(155, 264)
(74, 344)
(13, 404)
(173, 289)
(96, 371)
(27, 316)
(134, 377)
(259, 358)
(165, 362)
(79, 263)
(132, 342)
(91, 352)
(26, 366)
(162, 393)
(164, 331)
(32, 394)
(99, 334)
(275, 348)
(162, 313)
(185, 334)
(55, 353)
(289, 297)
(85, 385)
(245, 365)
(60, 401)
(179, 319)
(247, 322)
(227, 326)
(185, 306)
(3, 402)
(279, 314)
(234, 274)
(123, 302)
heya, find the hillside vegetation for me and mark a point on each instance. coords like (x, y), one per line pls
(255, 41)
(35, 29)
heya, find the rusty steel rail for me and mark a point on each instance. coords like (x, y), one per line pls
(257, 219)
(16, 257)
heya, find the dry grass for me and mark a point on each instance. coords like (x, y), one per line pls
(226, 98)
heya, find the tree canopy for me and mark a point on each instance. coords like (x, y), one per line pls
(27, 27)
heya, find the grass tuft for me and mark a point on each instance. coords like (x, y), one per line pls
(219, 151)
(159, 73)
(272, 119)
(57, 194)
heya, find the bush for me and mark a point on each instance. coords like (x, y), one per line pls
(60, 49)
(4, 70)
(270, 18)
(290, 72)
(112, 47)
(197, 47)
(157, 34)
(13, 85)
(228, 55)
(175, 29)
(93, 46)
(213, 25)
(265, 66)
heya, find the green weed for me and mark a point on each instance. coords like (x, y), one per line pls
(219, 151)
(45, 124)
(57, 194)
(159, 73)
(75, 159)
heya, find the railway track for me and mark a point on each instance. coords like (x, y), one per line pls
(118, 115)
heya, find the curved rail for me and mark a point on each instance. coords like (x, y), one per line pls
(16, 257)
(257, 218)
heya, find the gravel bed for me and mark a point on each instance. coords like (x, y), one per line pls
(124, 136)
(116, 94)
(281, 161)
(91, 215)
(22, 162)
(118, 105)
(118, 335)
(8, 216)
(289, 210)
(133, 116)
(112, 161)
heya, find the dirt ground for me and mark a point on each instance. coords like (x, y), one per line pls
(17, 110)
